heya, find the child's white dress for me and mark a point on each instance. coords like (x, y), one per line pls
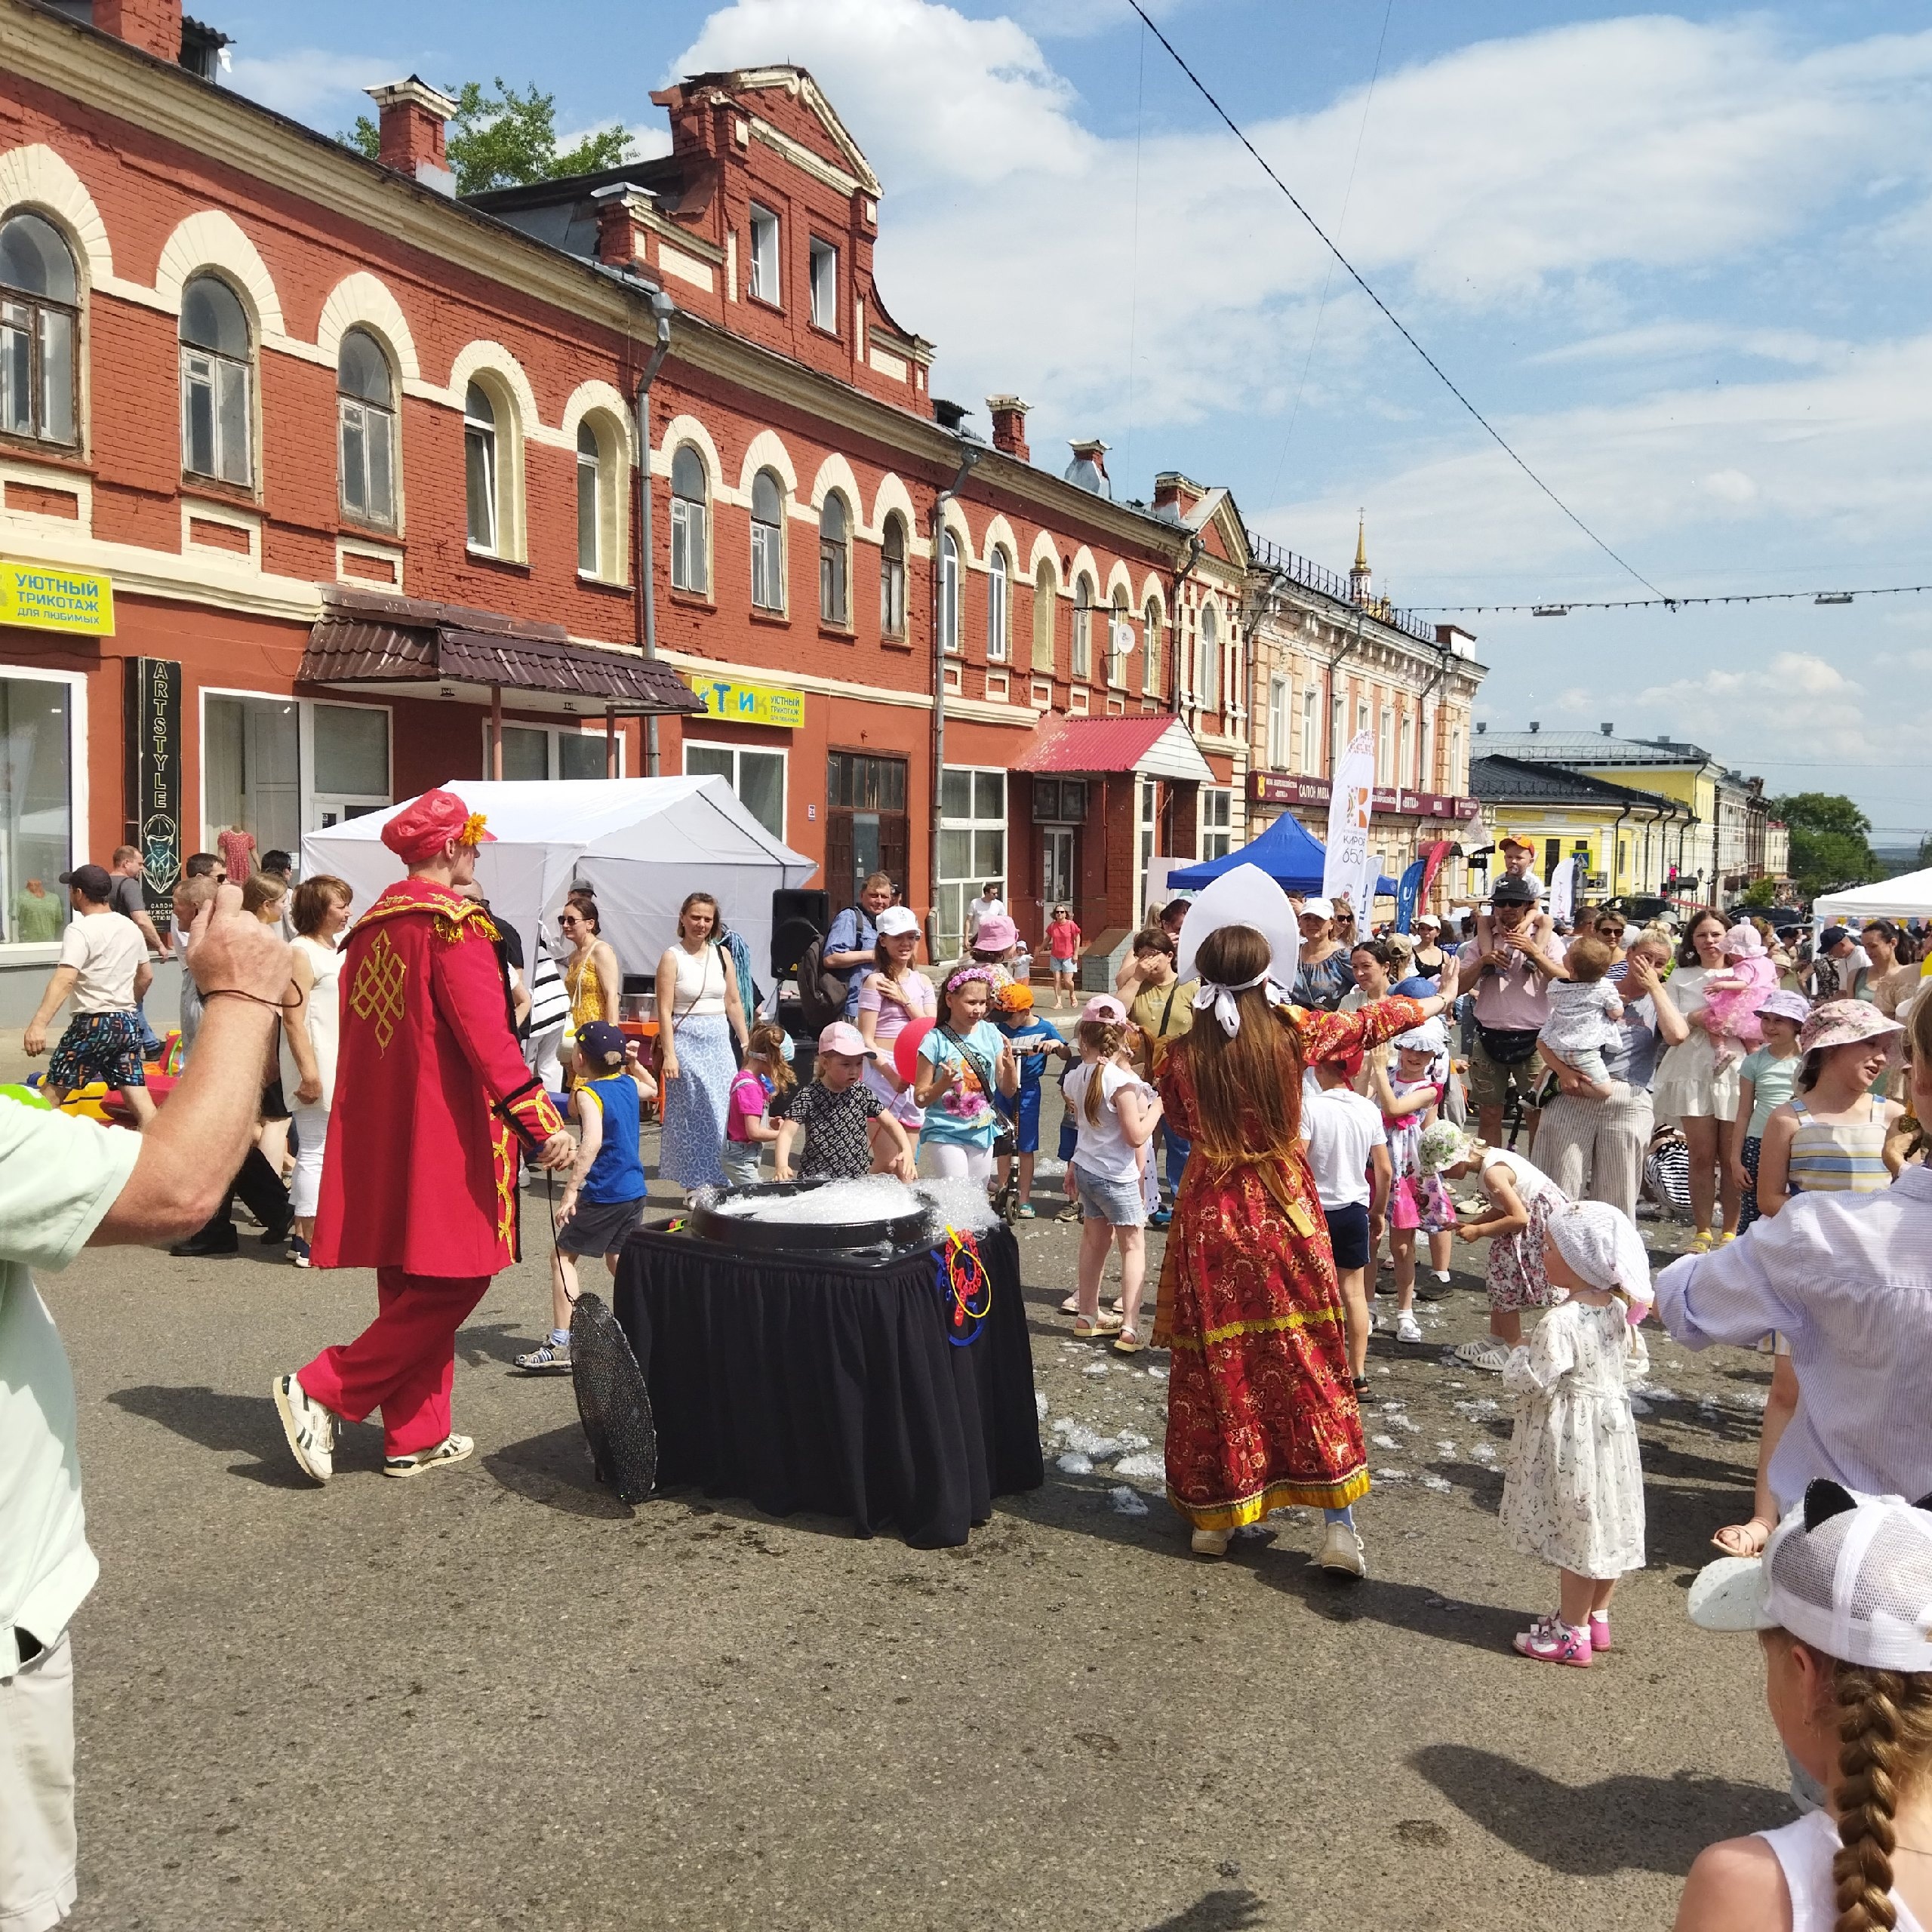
(1572, 1490)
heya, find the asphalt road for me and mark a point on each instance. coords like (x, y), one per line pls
(493, 1697)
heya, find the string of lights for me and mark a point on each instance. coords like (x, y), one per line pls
(1553, 609)
(1388, 315)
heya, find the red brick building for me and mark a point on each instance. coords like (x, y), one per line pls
(319, 485)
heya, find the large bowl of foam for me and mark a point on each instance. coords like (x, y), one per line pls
(878, 1212)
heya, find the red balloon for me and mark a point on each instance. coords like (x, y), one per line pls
(905, 1048)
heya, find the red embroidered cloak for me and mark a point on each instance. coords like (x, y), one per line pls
(432, 1099)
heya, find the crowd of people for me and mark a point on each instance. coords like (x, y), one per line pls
(1294, 1098)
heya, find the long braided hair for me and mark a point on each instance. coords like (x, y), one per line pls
(1884, 1744)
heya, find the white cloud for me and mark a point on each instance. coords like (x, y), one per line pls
(312, 85)
(1797, 702)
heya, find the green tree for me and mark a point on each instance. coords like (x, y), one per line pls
(1830, 840)
(1760, 892)
(504, 139)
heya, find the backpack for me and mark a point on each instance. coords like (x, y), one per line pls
(821, 991)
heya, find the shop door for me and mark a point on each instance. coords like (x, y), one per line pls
(1055, 867)
(866, 830)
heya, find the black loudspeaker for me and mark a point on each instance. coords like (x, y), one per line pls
(798, 917)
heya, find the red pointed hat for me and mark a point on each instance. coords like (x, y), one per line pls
(421, 829)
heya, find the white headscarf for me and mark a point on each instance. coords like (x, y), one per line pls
(1244, 895)
(1604, 1247)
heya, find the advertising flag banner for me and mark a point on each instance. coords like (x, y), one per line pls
(1408, 895)
(1563, 890)
(1351, 806)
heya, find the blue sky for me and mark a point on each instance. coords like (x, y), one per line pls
(1680, 259)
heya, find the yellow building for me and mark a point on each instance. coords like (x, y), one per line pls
(1629, 840)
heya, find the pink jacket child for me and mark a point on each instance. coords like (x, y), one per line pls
(1733, 996)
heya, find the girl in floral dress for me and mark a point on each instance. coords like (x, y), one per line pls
(1260, 1410)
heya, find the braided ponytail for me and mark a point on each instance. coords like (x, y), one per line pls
(1885, 1743)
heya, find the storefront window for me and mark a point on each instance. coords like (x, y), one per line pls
(972, 844)
(250, 771)
(36, 824)
(549, 751)
(757, 776)
(1216, 822)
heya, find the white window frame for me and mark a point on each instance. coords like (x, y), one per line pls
(1209, 655)
(767, 539)
(764, 282)
(1385, 746)
(999, 605)
(823, 260)
(1311, 729)
(553, 756)
(1215, 821)
(371, 420)
(1118, 613)
(692, 546)
(781, 752)
(1150, 684)
(1279, 710)
(29, 952)
(1405, 745)
(892, 572)
(951, 938)
(1082, 666)
(951, 602)
(306, 792)
(489, 439)
(1338, 736)
(1425, 761)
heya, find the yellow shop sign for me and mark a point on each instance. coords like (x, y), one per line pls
(45, 599)
(750, 704)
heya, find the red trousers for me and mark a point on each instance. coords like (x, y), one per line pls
(403, 1362)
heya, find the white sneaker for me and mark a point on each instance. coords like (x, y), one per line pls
(1342, 1552)
(309, 1427)
(1407, 1328)
(453, 1448)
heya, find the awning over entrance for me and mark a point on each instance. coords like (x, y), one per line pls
(368, 642)
(1152, 746)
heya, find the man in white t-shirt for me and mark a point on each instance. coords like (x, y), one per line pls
(65, 1184)
(104, 967)
(988, 906)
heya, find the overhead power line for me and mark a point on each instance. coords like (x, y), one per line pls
(1551, 607)
(1394, 320)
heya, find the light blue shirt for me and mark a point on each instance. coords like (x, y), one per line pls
(1846, 1279)
(942, 1128)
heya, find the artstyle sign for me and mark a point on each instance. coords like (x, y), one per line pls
(750, 704)
(153, 737)
(42, 599)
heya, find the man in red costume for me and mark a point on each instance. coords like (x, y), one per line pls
(433, 1105)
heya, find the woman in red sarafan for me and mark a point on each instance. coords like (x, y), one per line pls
(1261, 1411)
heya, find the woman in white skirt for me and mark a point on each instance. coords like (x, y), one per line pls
(309, 1036)
(1573, 1488)
(1693, 1090)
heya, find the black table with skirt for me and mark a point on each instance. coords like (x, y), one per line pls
(829, 1383)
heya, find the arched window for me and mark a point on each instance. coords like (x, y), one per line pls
(767, 542)
(1210, 660)
(690, 517)
(592, 503)
(1151, 683)
(892, 578)
(834, 562)
(480, 467)
(1046, 592)
(38, 311)
(216, 421)
(1119, 633)
(1083, 626)
(365, 424)
(999, 578)
(949, 593)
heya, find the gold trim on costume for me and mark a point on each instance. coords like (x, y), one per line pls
(1272, 1325)
(1336, 1495)
(376, 996)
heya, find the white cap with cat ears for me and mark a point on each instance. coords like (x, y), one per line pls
(1850, 1575)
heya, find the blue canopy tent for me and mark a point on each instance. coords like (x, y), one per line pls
(1287, 852)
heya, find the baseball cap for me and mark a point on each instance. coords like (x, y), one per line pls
(602, 1044)
(1512, 844)
(94, 881)
(1833, 936)
(1850, 1575)
(1509, 891)
(1104, 1008)
(842, 1037)
(896, 920)
(1426, 919)
(1316, 908)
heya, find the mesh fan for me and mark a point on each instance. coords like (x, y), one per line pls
(612, 1402)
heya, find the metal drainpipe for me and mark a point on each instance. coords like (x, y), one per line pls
(645, 596)
(968, 457)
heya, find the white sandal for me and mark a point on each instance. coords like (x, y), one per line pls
(1488, 1354)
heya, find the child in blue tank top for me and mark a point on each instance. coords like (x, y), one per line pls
(604, 1197)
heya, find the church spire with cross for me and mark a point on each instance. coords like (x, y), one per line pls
(1362, 584)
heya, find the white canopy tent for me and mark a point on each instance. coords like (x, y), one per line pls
(640, 844)
(1908, 896)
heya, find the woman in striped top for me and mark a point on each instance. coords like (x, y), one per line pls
(1829, 1137)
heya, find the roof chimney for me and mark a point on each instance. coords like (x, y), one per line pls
(1088, 470)
(153, 25)
(1009, 415)
(619, 241)
(412, 114)
(1535, 725)
(1172, 490)
(1608, 730)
